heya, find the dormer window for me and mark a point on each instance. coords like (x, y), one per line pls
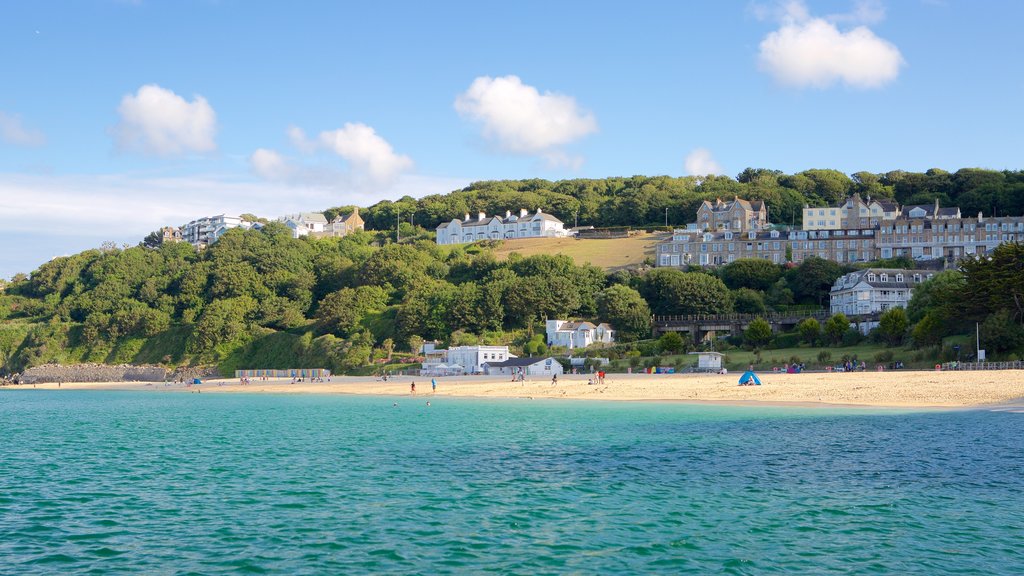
(884, 277)
(917, 277)
(899, 277)
(728, 235)
(751, 235)
(775, 233)
(871, 277)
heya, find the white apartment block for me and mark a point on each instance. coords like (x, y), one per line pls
(874, 290)
(205, 231)
(525, 225)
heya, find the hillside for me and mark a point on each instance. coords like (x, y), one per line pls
(611, 255)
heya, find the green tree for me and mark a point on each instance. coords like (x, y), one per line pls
(892, 325)
(940, 296)
(927, 332)
(670, 291)
(747, 301)
(809, 330)
(995, 282)
(758, 333)
(812, 280)
(1001, 332)
(836, 327)
(753, 273)
(671, 342)
(626, 311)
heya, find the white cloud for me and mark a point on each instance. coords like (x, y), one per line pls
(269, 165)
(807, 51)
(300, 141)
(157, 121)
(699, 162)
(367, 153)
(13, 131)
(519, 119)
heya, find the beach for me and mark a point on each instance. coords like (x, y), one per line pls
(896, 388)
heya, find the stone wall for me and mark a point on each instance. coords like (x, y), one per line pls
(93, 373)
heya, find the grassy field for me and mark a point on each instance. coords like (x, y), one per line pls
(611, 255)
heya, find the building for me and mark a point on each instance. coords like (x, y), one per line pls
(709, 361)
(525, 225)
(344, 225)
(170, 234)
(874, 290)
(305, 223)
(856, 231)
(205, 231)
(737, 215)
(461, 359)
(525, 366)
(854, 213)
(572, 334)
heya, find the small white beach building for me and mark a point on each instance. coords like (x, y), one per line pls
(529, 366)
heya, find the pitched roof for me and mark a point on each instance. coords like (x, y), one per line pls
(516, 362)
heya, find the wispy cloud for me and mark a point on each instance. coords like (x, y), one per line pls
(108, 206)
(14, 132)
(811, 51)
(518, 118)
(157, 121)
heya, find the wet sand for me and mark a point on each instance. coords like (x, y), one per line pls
(896, 389)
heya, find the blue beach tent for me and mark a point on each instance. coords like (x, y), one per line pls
(197, 381)
(749, 378)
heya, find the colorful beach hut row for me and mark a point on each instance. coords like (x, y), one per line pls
(288, 373)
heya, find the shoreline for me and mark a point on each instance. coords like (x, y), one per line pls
(897, 389)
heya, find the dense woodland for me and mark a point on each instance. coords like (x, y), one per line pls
(261, 299)
(642, 201)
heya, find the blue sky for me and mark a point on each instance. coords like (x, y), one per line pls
(119, 117)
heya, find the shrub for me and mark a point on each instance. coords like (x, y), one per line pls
(824, 356)
(884, 357)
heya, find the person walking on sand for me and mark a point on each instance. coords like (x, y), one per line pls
(554, 380)
(412, 388)
(433, 385)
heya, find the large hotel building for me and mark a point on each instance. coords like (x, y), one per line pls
(855, 231)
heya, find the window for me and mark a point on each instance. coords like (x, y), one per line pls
(884, 277)
(871, 277)
(899, 277)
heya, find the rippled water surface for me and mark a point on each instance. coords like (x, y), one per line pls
(170, 483)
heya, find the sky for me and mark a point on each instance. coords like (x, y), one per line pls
(119, 117)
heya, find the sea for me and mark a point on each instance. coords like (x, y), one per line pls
(155, 482)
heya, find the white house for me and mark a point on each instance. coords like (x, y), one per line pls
(525, 225)
(205, 231)
(874, 290)
(529, 367)
(572, 334)
(305, 223)
(462, 359)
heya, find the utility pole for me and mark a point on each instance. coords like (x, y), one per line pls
(398, 225)
(666, 216)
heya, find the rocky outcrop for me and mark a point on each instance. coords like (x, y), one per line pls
(190, 372)
(93, 373)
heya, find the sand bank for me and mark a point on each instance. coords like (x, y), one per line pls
(897, 389)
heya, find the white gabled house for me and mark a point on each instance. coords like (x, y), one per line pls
(305, 223)
(525, 225)
(205, 231)
(572, 334)
(874, 290)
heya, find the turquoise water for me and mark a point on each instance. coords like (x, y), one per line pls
(173, 483)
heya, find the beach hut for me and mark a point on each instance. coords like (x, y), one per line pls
(708, 361)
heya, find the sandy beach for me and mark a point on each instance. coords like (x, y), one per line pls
(896, 389)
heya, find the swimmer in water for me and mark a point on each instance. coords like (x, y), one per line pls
(428, 403)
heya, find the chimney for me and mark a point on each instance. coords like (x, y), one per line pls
(523, 212)
(508, 213)
(538, 210)
(480, 215)
(466, 218)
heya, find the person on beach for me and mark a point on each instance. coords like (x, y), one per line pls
(554, 380)
(433, 385)
(412, 388)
